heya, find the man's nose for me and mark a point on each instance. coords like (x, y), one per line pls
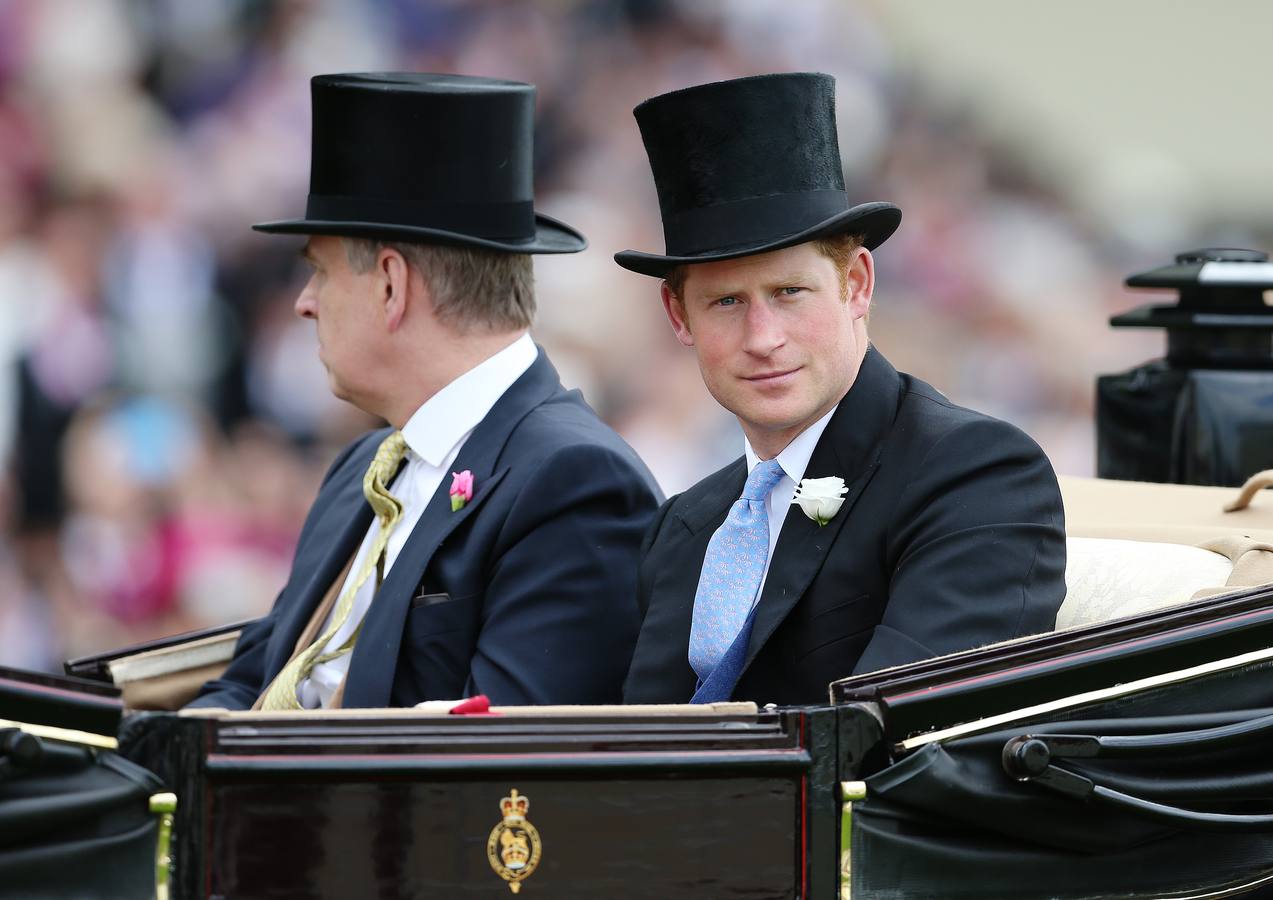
(763, 330)
(305, 306)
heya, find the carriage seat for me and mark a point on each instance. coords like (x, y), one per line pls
(1136, 546)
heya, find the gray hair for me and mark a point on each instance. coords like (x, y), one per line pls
(471, 287)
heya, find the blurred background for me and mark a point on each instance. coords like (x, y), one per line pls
(164, 421)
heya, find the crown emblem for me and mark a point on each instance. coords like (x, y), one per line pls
(513, 848)
(514, 806)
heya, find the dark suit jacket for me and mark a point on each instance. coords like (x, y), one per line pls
(951, 536)
(524, 594)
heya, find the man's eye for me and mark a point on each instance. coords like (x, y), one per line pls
(791, 290)
(727, 301)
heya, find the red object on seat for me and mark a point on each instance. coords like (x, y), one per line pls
(473, 706)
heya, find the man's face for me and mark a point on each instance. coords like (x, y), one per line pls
(777, 340)
(342, 304)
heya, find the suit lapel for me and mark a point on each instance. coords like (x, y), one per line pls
(337, 535)
(717, 494)
(374, 661)
(849, 448)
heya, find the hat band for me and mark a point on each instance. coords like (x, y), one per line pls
(753, 220)
(503, 220)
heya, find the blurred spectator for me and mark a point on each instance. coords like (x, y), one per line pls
(68, 356)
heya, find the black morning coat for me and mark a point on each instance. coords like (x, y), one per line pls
(522, 595)
(951, 536)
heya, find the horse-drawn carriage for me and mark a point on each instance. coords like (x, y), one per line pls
(1123, 755)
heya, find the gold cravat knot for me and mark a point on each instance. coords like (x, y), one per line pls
(375, 484)
(281, 694)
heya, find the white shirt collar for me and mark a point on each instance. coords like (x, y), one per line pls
(794, 458)
(448, 416)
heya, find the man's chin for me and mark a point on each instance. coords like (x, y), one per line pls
(775, 421)
(338, 390)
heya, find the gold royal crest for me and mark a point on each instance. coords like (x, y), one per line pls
(513, 847)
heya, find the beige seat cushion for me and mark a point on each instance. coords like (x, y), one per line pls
(1107, 578)
(1136, 546)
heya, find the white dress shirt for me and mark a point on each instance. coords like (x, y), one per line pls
(434, 434)
(793, 460)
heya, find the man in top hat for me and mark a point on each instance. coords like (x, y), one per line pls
(919, 527)
(481, 544)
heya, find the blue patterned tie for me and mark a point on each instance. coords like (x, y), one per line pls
(732, 568)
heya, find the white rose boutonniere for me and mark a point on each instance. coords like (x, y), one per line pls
(820, 498)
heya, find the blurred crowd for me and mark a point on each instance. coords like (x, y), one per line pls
(163, 416)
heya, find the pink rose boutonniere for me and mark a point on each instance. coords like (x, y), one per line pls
(461, 489)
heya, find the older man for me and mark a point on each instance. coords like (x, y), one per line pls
(919, 527)
(486, 540)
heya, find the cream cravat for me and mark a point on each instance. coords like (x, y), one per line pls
(281, 694)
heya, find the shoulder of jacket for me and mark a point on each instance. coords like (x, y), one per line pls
(926, 417)
(931, 423)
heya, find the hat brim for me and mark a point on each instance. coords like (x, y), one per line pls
(551, 236)
(874, 221)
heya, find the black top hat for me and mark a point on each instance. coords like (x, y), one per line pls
(748, 166)
(429, 158)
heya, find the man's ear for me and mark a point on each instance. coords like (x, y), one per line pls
(859, 282)
(393, 275)
(675, 310)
